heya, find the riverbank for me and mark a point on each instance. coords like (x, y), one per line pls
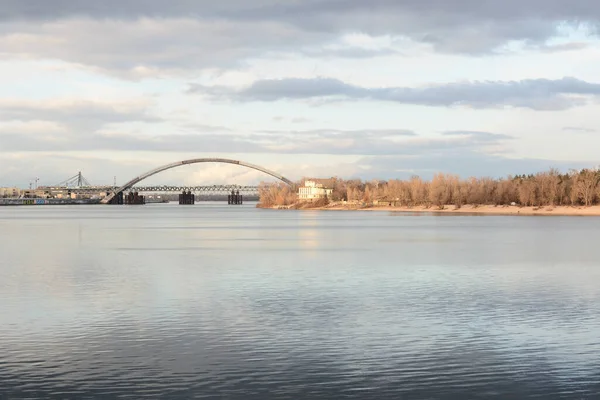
(467, 209)
(46, 202)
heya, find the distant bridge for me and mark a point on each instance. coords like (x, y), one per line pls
(131, 184)
(207, 189)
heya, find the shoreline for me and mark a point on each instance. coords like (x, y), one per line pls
(592, 211)
(16, 202)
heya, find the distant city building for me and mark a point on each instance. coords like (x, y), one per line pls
(35, 194)
(314, 189)
(12, 192)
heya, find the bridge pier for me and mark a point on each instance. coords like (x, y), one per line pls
(235, 198)
(117, 199)
(133, 198)
(187, 198)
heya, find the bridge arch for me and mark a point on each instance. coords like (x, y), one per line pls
(155, 171)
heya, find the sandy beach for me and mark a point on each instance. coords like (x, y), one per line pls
(469, 209)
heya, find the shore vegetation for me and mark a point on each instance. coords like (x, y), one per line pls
(577, 188)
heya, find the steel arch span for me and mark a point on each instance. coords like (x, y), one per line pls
(155, 171)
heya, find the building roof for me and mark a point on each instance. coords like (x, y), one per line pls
(326, 182)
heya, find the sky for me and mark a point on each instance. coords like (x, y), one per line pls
(373, 89)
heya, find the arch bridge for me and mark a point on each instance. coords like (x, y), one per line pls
(129, 185)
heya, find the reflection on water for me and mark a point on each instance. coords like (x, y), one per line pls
(212, 301)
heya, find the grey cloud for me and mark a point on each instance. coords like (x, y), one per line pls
(101, 141)
(351, 52)
(196, 127)
(465, 163)
(52, 168)
(463, 26)
(537, 94)
(339, 133)
(562, 47)
(118, 9)
(289, 88)
(387, 147)
(325, 141)
(80, 114)
(150, 47)
(578, 129)
(294, 120)
(299, 10)
(89, 126)
(299, 120)
(480, 135)
(454, 151)
(139, 36)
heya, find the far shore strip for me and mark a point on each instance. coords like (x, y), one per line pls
(469, 209)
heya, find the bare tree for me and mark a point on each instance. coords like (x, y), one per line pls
(440, 191)
(367, 197)
(418, 191)
(586, 186)
(339, 192)
(527, 192)
(544, 188)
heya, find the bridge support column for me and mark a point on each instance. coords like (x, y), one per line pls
(133, 198)
(188, 198)
(235, 198)
(117, 199)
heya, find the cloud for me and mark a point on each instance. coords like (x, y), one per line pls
(20, 169)
(479, 135)
(537, 94)
(318, 141)
(301, 11)
(349, 52)
(122, 141)
(201, 39)
(300, 120)
(293, 120)
(144, 37)
(340, 133)
(82, 115)
(65, 126)
(467, 163)
(555, 48)
(578, 129)
(148, 47)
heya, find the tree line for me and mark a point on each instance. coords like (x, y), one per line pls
(549, 188)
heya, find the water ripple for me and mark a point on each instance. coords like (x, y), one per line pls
(348, 305)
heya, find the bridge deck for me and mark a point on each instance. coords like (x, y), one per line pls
(161, 188)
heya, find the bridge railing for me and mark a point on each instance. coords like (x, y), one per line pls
(161, 188)
(196, 189)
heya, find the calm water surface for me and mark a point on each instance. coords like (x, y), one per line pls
(227, 302)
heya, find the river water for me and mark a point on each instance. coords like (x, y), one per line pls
(233, 302)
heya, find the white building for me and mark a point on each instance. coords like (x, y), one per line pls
(313, 190)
